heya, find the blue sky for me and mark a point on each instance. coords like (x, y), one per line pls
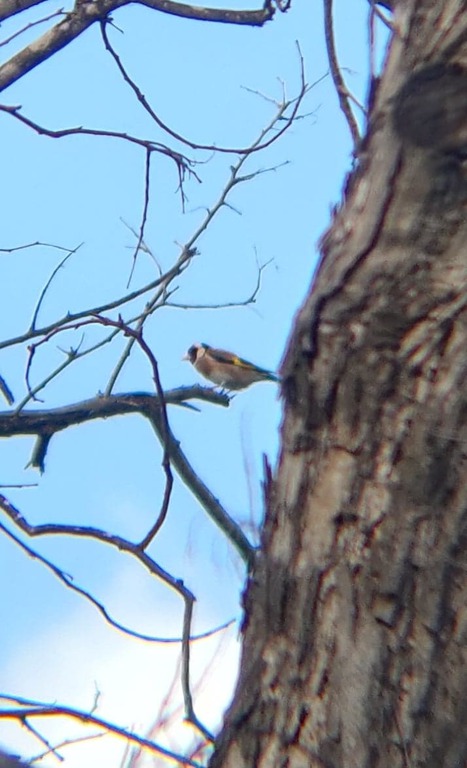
(77, 190)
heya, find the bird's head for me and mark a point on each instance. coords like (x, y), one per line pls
(195, 352)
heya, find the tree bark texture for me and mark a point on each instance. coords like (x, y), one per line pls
(355, 632)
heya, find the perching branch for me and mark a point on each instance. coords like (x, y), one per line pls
(57, 419)
(49, 422)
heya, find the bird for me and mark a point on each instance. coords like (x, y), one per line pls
(226, 369)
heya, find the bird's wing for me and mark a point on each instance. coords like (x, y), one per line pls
(222, 356)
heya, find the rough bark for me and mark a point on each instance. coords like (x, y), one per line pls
(355, 636)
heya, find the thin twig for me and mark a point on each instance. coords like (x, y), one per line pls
(67, 743)
(32, 245)
(251, 299)
(32, 531)
(189, 249)
(115, 304)
(31, 24)
(343, 93)
(378, 12)
(73, 354)
(165, 431)
(68, 581)
(206, 498)
(6, 391)
(147, 176)
(42, 739)
(185, 677)
(33, 708)
(192, 144)
(48, 284)
(184, 164)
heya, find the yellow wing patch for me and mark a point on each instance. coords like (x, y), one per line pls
(243, 363)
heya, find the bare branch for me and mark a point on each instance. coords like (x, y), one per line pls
(48, 284)
(45, 743)
(378, 12)
(137, 336)
(68, 581)
(33, 708)
(247, 18)
(51, 421)
(72, 318)
(251, 299)
(84, 14)
(343, 93)
(53, 40)
(34, 422)
(19, 32)
(184, 164)
(37, 243)
(282, 107)
(6, 391)
(10, 8)
(212, 505)
(138, 552)
(147, 177)
(187, 697)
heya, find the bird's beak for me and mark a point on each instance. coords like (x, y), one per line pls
(185, 357)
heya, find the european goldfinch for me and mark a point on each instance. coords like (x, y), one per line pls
(226, 369)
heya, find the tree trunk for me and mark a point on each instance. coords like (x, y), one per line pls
(355, 636)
